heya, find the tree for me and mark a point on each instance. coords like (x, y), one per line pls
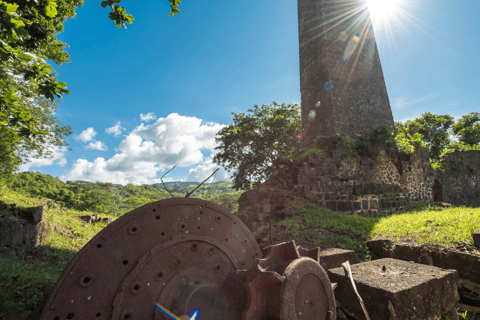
(27, 41)
(254, 141)
(434, 129)
(467, 129)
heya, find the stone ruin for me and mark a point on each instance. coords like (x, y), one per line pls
(343, 92)
(20, 229)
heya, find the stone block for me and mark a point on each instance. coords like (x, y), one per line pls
(332, 205)
(396, 289)
(357, 205)
(476, 239)
(383, 203)
(383, 248)
(37, 213)
(7, 253)
(364, 204)
(334, 257)
(373, 204)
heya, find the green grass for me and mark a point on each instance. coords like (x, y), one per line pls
(24, 283)
(424, 225)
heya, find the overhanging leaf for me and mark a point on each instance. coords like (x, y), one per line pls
(51, 9)
(17, 23)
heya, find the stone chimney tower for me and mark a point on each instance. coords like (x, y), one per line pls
(341, 78)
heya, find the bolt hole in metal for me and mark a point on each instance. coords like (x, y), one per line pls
(98, 314)
(219, 218)
(182, 227)
(217, 268)
(163, 233)
(154, 210)
(133, 229)
(99, 246)
(157, 217)
(126, 316)
(211, 251)
(198, 228)
(86, 280)
(70, 316)
(160, 275)
(125, 262)
(194, 247)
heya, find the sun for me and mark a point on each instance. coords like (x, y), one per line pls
(383, 10)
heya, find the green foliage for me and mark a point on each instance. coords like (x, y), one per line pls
(406, 143)
(118, 14)
(467, 129)
(434, 130)
(254, 141)
(27, 40)
(315, 150)
(382, 136)
(110, 199)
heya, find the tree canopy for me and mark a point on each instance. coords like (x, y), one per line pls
(250, 145)
(27, 82)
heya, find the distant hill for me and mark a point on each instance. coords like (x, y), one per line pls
(213, 189)
(108, 198)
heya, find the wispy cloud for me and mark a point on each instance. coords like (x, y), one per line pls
(86, 135)
(404, 101)
(58, 159)
(116, 130)
(97, 145)
(148, 117)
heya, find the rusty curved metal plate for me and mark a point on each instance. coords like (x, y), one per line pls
(285, 286)
(173, 252)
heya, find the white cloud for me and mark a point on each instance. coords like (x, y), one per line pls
(97, 145)
(402, 102)
(86, 135)
(202, 171)
(147, 117)
(116, 130)
(58, 159)
(149, 149)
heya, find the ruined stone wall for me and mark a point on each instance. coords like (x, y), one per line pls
(358, 185)
(459, 180)
(367, 185)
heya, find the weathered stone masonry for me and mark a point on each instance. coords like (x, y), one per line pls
(330, 51)
(352, 185)
(459, 181)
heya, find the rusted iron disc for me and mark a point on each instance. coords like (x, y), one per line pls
(307, 292)
(174, 252)
(283, 285)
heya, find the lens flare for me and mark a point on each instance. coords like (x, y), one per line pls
(328, 85)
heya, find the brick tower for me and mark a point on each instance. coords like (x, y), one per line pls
(341, 78)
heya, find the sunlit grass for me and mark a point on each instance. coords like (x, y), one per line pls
(66, 234)
(424, 225)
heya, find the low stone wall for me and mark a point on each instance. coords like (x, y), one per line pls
(20, 230)
(362, 185)
(458, 182)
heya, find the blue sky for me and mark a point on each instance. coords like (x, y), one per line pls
(154, 95)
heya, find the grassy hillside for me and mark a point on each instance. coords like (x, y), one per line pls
(107, 198)
(28, 279)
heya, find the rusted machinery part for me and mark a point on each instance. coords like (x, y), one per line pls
(176, 252)
(284, 285)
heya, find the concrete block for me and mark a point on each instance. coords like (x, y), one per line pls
(334, 257)
(396, 289)
(381, 247)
